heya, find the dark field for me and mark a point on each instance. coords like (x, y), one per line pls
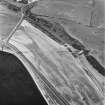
(16, 85)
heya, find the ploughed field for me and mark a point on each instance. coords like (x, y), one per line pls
(77, 23)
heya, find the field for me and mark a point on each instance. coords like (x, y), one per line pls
(82, 20)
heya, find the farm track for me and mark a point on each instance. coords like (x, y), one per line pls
(53, 93)
(56, 33)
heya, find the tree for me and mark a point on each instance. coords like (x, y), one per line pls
(22, 1)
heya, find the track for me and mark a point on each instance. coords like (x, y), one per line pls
(53, 93)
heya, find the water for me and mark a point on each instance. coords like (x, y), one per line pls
(16, 85)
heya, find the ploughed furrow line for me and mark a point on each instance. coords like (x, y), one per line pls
(55, 31)
(58, 32)
(55, 95)
(34, 22)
